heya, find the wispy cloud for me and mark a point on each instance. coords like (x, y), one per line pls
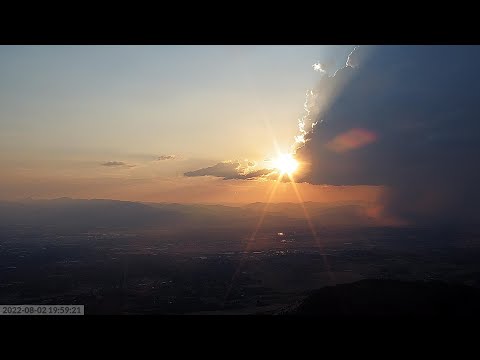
(116, 164)
(166, 157)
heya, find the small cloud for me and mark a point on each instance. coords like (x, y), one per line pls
(229, 170)
(255, 174)
(166, 157)
(319, 67)
(224, 169)
(116, 164)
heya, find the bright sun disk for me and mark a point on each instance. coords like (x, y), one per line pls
(286, 164)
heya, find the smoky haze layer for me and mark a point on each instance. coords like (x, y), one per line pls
(407, 117)
(82, 214)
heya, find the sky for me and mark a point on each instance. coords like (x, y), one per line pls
(395, 126)
(128, 121)
(155, 99)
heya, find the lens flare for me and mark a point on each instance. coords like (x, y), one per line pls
(286, 164)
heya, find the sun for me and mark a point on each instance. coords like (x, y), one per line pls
(286, 164)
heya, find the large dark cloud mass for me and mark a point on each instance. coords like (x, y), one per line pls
(407, 117)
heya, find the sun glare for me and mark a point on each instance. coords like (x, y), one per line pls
(286, 164)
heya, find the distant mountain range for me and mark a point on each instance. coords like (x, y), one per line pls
(113, 213)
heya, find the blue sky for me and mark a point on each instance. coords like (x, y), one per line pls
(191, 100)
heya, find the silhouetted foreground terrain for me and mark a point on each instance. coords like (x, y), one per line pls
(381, 298)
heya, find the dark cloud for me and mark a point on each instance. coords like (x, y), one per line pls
(255, 174)
(116, 164)
(229, 170)
(407, 117)
(166, 157)
(223, 169)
